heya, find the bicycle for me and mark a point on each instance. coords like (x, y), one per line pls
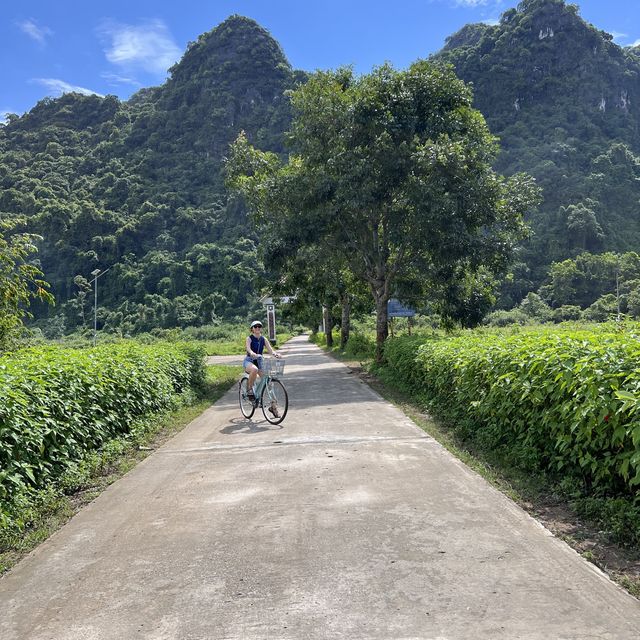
(270, 393)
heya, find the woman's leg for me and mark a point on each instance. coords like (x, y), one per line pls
(252, 370)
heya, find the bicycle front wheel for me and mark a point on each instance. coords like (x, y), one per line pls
(274, 401)
(246, 406)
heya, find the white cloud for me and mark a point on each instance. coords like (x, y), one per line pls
(492, 22)
(148, 47)
(635, 44)
(38, 33)
(115, 79)
(58, 87)
(471, 3)
(618, 36)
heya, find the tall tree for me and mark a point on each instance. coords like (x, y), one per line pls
(20, 281)
(394, 169)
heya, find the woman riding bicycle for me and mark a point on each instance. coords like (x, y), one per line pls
(252, 364)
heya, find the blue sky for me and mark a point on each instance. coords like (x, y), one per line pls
(116, 47)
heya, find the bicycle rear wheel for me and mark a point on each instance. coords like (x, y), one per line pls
(246, 406)
(274, 401)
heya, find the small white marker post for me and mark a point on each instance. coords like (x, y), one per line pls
(270, 308)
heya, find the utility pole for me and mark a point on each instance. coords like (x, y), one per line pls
(618, 293)
(96, 273)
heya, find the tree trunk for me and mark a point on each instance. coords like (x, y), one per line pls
(382, 326)
(345, 325)
(328, 326)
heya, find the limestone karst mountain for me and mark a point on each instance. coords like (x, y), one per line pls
(138, 184)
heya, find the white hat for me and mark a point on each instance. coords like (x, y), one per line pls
(256, 323)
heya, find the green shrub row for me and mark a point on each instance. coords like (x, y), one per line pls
(359, 345)
(567, 403)
(58, 404)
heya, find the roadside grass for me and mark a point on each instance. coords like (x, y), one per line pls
(235, 346)
(53, 507)
(218, 340)
(546, 502)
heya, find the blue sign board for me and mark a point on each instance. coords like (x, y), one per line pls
(397, 310)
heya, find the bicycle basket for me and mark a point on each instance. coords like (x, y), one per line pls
(274, 367)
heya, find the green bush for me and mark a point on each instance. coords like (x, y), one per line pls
(565, 403)
(503, 318)
(534, 307)
(320, 338)
(567, 312)
(602, 309)
(360, 345)
(57, 404)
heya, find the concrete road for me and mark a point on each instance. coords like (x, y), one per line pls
(345, 522)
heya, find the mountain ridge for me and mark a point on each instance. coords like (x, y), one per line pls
(138, 183)
(560, 94)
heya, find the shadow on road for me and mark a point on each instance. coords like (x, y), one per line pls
(240, 426)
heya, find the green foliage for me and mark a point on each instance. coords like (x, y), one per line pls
(535, 308)
(596, 283)
(565, 403)
(20, 282)
(502, 318)
(360, 345)
(392, 170)
(567, 313)
(58, 404)
(556, 90)
(139, 185)
(34, 514)
(603, 309)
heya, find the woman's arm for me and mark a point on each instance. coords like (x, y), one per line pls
(270, 348)
(247, 345)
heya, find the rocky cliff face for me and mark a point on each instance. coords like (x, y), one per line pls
(544, 56)
(558, 93)
(139, 183)
(232, 78)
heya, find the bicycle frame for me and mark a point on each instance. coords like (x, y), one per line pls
(262, 382)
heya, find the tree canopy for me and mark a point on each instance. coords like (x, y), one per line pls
(20, 281)
(392, 169)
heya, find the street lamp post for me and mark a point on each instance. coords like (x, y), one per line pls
(96, 274)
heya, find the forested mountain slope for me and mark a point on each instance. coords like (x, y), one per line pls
(564, 100)
(139, 184)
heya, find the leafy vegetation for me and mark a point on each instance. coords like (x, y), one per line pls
(563, 403)
(20, 283)
(137, 186)
(36, 514)
(56, 405)
(392, 172)
(590, 287)
(557, 91)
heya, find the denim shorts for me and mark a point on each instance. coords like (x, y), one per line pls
(247, 361)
